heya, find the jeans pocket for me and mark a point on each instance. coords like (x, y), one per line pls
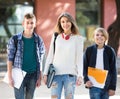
(71, 75)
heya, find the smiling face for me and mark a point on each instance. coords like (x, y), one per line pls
(66, 25)
(99, 39)
(29, 24)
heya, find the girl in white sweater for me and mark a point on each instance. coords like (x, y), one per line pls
(67, 58)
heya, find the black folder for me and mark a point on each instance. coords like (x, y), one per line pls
(50, 76)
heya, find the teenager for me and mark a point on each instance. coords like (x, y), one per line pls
(25, 51)
(100, 56)
(67, 58)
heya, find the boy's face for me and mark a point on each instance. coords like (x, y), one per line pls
(99, 38)
(29, 24)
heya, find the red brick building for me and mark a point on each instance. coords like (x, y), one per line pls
(47, 12)
(101, 12)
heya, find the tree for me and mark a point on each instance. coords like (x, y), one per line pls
(114, 29)
(5, 14)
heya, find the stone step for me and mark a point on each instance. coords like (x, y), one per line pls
(3, 66)
(2, 75)
(3, 69)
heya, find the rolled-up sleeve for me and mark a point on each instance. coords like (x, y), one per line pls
(11, 50)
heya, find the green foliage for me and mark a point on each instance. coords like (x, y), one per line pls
(87, 12)
(81, 19)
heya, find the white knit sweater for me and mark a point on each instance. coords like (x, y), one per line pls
(68, 57)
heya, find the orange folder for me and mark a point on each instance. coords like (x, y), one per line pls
(98, 74)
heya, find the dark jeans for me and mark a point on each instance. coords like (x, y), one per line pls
(97, 93)
(27, 88)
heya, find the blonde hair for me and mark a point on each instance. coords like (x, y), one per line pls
(104, 32)
(74, 27)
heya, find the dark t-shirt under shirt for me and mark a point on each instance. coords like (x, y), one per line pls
(29, 55)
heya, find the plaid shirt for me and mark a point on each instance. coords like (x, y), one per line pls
(18, 57)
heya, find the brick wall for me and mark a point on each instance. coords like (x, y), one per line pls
(108, 12)
(47, 12)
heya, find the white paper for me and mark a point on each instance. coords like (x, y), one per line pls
(17, 75)
(95, 83)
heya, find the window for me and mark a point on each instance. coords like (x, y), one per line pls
(11, 16)
(87, 16)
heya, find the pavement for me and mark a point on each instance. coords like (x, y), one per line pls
(6, 92)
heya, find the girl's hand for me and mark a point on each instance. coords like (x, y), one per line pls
(45, 79)
(79, 81)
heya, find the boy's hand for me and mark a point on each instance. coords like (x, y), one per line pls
(88, 84)
(11, 82)
(111, 92)
(38, 83)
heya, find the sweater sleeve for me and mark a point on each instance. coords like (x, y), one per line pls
(79, 56)
(113, 71)
(49, 57)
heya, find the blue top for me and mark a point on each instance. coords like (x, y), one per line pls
(18, 60)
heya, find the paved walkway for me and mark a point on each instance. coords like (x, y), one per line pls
(6, 92)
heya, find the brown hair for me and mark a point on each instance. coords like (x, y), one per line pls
(29, 16)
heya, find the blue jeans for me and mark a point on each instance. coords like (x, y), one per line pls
(66, 81)
(97, 93)
(26, 91)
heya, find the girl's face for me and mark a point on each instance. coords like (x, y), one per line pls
(99, 39)
(66, 25)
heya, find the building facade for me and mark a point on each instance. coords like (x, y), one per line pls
(47, 12)
(89, 14)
